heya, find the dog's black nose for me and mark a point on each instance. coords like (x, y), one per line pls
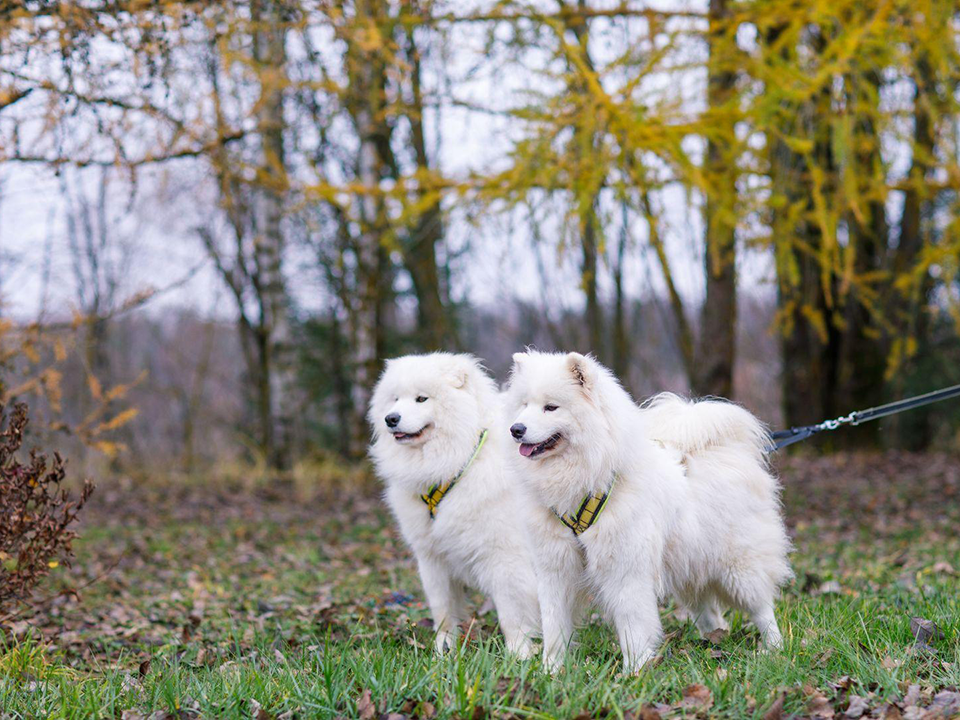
(392, 420)
(518, 430)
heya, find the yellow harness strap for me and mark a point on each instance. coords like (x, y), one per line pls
(435, 494)
(589, 511)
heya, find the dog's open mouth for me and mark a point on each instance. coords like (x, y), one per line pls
(530, 450)
(406, 437)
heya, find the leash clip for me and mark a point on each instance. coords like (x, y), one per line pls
(843, 420)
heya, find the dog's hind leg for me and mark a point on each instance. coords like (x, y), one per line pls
(762, 616)
(683, 612)
(753, 594)
(708, 615)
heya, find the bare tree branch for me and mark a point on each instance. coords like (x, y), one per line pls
(145, 160)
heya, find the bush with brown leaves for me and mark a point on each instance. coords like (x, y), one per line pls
(35, 514)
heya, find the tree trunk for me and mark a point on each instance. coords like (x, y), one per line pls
(685, 336)
(911, 319)
(434, 321)
(367, 101)
(621, 341)
(277, 362)
(583, 142)
(589, 269)
(863, 347)
(420, 259)
(366, 314)
(718, 321)
(810, 344)
(341, 386)
(810, 349)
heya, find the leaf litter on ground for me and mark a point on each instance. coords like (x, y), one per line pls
(188, 583)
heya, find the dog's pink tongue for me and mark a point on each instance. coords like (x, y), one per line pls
(526, 449)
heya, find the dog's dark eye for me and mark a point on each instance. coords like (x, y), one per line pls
(421, 398)
(549, 408)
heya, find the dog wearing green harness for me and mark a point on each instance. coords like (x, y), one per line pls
(627, 504)
(441, 448)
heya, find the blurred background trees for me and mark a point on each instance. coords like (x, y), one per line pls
(257, 201)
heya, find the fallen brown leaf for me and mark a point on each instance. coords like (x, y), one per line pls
(912, 698)
(858, 707)
(842, 683)
(888, 711)
(946, 704)
(366, 710)
(775, 712)
(715, 637)
(648, 712)
(824, 657)
(924, 632)
(818, 706)
(696, 697)
(257, 712)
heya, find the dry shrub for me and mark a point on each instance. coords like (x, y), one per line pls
(35, 514)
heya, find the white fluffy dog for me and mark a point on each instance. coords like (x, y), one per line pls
(440, 445)
(629, 503)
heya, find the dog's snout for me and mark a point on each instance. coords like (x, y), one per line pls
(518, 430)
(392, 420)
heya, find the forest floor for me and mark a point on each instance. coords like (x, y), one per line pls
(206, 600)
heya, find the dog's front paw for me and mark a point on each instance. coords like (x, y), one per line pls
(636, 664)
(444, 641)
(772, 640)
(553, 664)
(522, 649)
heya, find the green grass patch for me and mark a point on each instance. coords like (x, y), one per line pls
(203, 605)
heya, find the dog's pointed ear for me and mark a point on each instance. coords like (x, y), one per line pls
(583, 369)
(458, 373)
(518, 359)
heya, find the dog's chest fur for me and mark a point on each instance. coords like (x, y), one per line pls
(474, 523)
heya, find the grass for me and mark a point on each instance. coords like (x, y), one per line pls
(213, 603)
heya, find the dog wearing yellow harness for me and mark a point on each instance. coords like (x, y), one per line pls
(628, 504)
(440, 446)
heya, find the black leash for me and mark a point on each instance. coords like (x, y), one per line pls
(782, 438)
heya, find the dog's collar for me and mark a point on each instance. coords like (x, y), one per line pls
(433, 496)
(588, 512)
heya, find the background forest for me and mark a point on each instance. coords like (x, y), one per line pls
(218, 218)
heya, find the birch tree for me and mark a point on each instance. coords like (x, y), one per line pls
(248, 250)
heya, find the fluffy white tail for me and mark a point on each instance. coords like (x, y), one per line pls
(695, 425)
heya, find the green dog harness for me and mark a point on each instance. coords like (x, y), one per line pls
(433, 496)
(588, 512)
